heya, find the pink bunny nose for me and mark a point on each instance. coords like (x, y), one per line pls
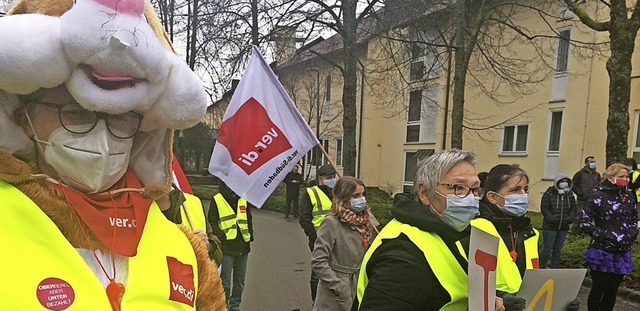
(129, 7)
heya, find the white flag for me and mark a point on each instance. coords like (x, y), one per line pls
(262, 135)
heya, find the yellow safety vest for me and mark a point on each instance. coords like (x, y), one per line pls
(443, 263)
(321, 205)
(634, 177)
(229, 222)
(193, 205)
(43, 271)
(508, 277)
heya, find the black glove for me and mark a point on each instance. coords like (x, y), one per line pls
(513, 303)
(574, 305)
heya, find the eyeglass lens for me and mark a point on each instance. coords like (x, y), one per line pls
(78, 120)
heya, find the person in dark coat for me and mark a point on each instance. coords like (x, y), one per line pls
(585, 182)
(610, 218)
(293, 180)
(558, 207)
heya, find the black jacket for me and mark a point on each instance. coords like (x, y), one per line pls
(400, 277)
(237, 246)
(512, 230)
(585, 182)
(293, 182)
(558, 207)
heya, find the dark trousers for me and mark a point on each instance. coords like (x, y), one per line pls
(313, 282)
(604, 289)
(292, 199)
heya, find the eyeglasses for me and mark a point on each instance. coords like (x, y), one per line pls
(461, 191)
(78, 120)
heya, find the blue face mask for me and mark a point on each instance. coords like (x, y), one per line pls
(358, 204)
(592, 165)
(563, 185)
(516, 204)
(330, 182)
(459, 211)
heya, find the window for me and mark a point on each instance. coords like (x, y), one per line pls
(554, 131)
(410, 161)
(326, 113)
(425, 62)
(339, 152)
(316, 151)
(422, 115)
(514, 139)
(636, 139)
(562, 60)
(413, 119)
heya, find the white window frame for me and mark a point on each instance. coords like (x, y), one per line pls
(326, 108)
(428, 59)
(635, 148)
(428, 118)
(516, 130)
(549, 131)
(560, 45)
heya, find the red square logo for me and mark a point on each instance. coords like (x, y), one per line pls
(251, 137)
(181, 287)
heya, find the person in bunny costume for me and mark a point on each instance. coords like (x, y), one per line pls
(90, 93)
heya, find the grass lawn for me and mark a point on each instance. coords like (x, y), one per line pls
(381, 202)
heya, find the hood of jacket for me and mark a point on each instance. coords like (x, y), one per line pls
(557, 180)
(407, 209)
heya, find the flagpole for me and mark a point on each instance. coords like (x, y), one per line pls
(326, 155)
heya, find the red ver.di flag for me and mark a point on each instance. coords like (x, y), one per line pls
(262, 135)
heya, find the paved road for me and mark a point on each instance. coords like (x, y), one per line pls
(279, 265)
(278, 272)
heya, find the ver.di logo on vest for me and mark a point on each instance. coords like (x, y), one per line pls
(251, 138)
(181, 284)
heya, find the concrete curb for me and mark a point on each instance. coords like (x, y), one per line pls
(626, 293)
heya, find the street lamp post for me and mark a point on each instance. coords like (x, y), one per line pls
(316, 151)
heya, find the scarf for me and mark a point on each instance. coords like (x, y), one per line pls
(358, 221)
(116, 219)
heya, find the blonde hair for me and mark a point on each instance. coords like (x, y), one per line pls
(342, 192)
(613, 170)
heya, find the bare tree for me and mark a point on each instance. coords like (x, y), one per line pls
(622, 26)
(345, 18)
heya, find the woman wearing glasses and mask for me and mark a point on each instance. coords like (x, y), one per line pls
(502, 214)
(414, 263)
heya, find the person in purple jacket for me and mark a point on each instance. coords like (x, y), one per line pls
(610, 217)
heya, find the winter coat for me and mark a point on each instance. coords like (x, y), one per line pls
(400, 278)
(610, 217)
(585, 181)
(558, 206)
(336, 260)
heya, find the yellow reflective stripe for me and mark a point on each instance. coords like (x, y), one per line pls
(461, 250)
(196, 213)
(321, 205)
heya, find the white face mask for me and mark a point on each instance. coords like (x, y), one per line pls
(90, 162)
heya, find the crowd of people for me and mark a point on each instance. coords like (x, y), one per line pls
(86, 178)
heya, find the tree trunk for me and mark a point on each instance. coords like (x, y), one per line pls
(349, 87)
(622, 36)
